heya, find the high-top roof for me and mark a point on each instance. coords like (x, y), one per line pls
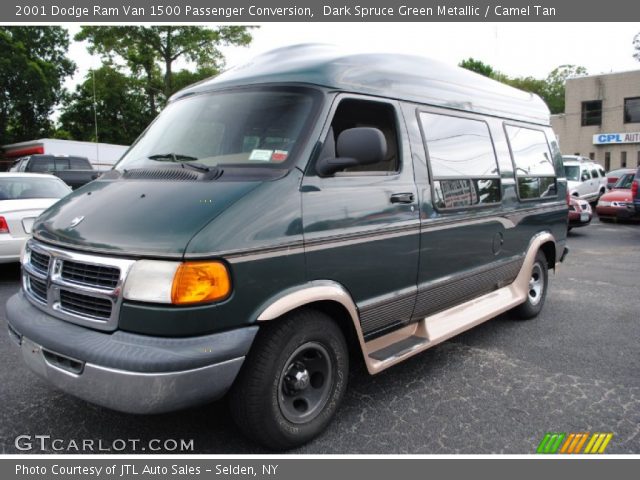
(403, 77)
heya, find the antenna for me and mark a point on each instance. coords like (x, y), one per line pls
(95, 115)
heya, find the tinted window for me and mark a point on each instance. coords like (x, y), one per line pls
(572, 172)
(585, 175)
(463, 162)
(359, 113)
(594, 173)
(458, 147)
(41, 164)
(625, 181)
(531, 154)
(62, 164)
(533, 164)
(77, 163)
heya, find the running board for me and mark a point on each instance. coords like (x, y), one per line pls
(394, 347)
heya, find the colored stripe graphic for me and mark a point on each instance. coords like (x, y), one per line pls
(551, 442)
(598, 443)
(572, 443)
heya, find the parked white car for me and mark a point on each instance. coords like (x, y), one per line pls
(585, 178)
(24, 196)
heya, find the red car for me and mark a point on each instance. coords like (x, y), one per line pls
(580, 213)
(613, 205)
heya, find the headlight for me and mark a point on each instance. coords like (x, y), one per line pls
(177, 283)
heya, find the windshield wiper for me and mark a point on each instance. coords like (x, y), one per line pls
(184, 160)
(172, 157)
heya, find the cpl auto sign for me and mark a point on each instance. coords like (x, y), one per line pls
(609, 138)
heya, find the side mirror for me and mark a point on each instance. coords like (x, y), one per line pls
(355, 146)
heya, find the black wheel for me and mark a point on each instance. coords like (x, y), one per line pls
(292, 381)
(537, 289)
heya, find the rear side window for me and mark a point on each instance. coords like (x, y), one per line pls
(77, 163)
(462, 159)
(42, 164)
(532, 161)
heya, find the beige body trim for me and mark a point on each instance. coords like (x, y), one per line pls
(427, 332)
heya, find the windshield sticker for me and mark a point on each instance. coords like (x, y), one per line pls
(262, 155)
(279, 156)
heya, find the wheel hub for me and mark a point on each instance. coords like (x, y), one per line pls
(297, 378)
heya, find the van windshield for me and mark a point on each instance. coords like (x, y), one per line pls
(260, 128)
(572, 172)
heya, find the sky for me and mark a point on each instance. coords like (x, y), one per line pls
(516, 49)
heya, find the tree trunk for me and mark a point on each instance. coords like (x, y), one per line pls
(168, 53)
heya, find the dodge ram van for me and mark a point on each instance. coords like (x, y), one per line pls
(274, 223)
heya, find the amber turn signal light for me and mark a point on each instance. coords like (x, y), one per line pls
(200, 282)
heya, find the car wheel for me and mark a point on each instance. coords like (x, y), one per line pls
(292, 381)
(537, 289)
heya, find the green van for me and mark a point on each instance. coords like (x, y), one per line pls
(292, 214)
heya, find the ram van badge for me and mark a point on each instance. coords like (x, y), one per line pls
(76, 221)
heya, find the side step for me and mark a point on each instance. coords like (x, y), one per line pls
(398, 349)
(396, 346)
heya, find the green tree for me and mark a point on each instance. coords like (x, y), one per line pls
(150, 52)
(121, 108)
(551, 89)
(555, 85)
(478, 67)
(33, 66)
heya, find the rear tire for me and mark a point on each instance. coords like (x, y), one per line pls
(537, 292)
(292, 381)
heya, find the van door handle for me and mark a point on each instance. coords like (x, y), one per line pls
(402, 198)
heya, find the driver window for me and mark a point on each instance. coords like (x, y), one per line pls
(360, 113)
(585, 175)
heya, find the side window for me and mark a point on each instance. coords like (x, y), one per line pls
(463, 161)
(594, 173)
(42, 164)
(602, 172)
(532, 161)
(76, 163)
(353, 113)
(585, 175)
(62, 164)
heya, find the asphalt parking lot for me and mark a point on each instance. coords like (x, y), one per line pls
(495, 389)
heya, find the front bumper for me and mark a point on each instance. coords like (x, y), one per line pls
(123, 371)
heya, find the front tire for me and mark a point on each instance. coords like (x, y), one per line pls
(292, 381)
(537, 289)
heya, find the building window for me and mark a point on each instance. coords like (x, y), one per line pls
(607, 161)
(623, 159)
(632, 110)
(592, 156)
(592, 113)
(638, 161)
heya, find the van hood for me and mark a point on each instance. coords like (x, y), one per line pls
(137, 217)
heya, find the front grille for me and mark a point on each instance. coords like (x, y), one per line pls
(38, 289)
(40, 261)
(93, 275)
(78, 287)
(85, 305)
